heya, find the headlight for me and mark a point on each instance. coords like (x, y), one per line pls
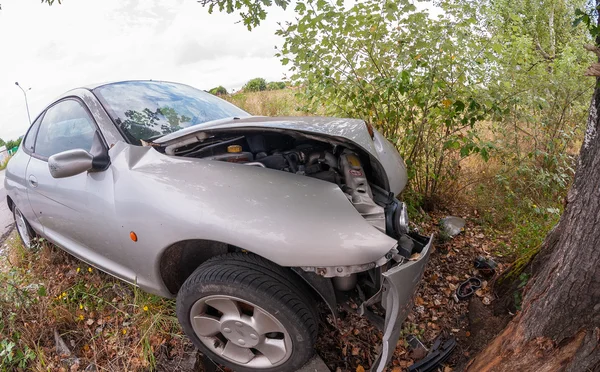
(401, 219)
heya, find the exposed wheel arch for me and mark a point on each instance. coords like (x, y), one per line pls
(181, 259)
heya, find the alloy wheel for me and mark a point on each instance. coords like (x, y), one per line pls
(240, 331)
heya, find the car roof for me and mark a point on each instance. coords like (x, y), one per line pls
(94, 86)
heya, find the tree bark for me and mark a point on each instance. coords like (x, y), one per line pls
(559, 326)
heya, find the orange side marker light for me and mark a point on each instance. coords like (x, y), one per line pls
(133, 236)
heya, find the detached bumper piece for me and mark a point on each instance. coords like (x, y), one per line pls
(400, 283)
(439, 354)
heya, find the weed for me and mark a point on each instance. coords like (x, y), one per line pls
(104, 321)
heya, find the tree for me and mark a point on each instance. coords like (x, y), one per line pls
(423, 82)
(559, 325)
(255, 85)
(13, 143)
(251, 11)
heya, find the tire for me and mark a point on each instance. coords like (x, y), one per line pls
(25, 231)
(275, 314)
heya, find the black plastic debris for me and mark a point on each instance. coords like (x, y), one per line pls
(438, 354)
(467, 288)
(486, 266)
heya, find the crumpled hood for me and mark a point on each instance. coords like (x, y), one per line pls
(354, 130)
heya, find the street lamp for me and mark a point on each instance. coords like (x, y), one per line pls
(26, 104)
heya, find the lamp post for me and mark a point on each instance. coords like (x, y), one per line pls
(26, 104)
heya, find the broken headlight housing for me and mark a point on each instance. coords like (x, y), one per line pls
(401, 219)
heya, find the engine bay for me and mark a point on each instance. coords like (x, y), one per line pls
(331, 162)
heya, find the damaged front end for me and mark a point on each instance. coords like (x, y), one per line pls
(394, 281)
(399, 284)
(396, 256)
(390, 282)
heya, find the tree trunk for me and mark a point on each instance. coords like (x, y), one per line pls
(559, 326)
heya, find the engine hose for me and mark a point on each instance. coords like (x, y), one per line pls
(327, 157)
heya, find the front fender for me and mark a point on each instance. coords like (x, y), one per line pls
(289, 219)
(392, 162)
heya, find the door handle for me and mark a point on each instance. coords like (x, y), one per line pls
(33, 181)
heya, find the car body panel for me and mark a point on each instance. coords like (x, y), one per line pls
(399, 286)
(343, 130)
(392, 162)
(289, 219)
(77, 213)
(15, 184)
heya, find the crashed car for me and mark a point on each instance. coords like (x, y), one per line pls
(248, 221)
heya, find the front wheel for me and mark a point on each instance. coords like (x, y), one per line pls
(248, 314)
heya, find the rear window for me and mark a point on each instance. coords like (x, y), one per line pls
(145, 110)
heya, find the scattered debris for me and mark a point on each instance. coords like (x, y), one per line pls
(486, 266)
(61, 347)
(467, 288)
(438, 354)
(419, 351)
(452, 225)
(69, 361)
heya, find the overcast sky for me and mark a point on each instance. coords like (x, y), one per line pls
(53, 49)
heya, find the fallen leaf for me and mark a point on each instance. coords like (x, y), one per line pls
(355, 351)
(414, 257)
(419, 300)
(360, 368)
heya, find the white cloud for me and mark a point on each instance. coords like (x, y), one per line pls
(54, 49)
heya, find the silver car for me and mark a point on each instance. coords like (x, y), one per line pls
(248, 221)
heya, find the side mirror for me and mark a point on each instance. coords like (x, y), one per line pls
(70, 163)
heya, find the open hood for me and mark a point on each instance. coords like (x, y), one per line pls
(353, 130)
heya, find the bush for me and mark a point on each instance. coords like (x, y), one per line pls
(276, 85)
(255, 85)
(218, 91)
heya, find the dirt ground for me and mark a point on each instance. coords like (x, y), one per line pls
(352, 346)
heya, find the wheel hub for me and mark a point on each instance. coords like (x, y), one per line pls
(240, 333)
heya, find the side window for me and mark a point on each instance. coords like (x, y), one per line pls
(30, 138)
(66, 126)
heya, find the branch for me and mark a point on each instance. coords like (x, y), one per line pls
(593, 49)
(542, 52)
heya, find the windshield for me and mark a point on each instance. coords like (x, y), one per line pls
(146, 110)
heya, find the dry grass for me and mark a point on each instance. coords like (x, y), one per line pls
(103, 321)
(268, 103)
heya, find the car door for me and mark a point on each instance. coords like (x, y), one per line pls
(16, 178)
(77, 213)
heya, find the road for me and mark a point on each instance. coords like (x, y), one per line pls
(6, 217)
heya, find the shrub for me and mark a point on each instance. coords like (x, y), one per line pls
(275, 85)
(255, 85)
(218, 91)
